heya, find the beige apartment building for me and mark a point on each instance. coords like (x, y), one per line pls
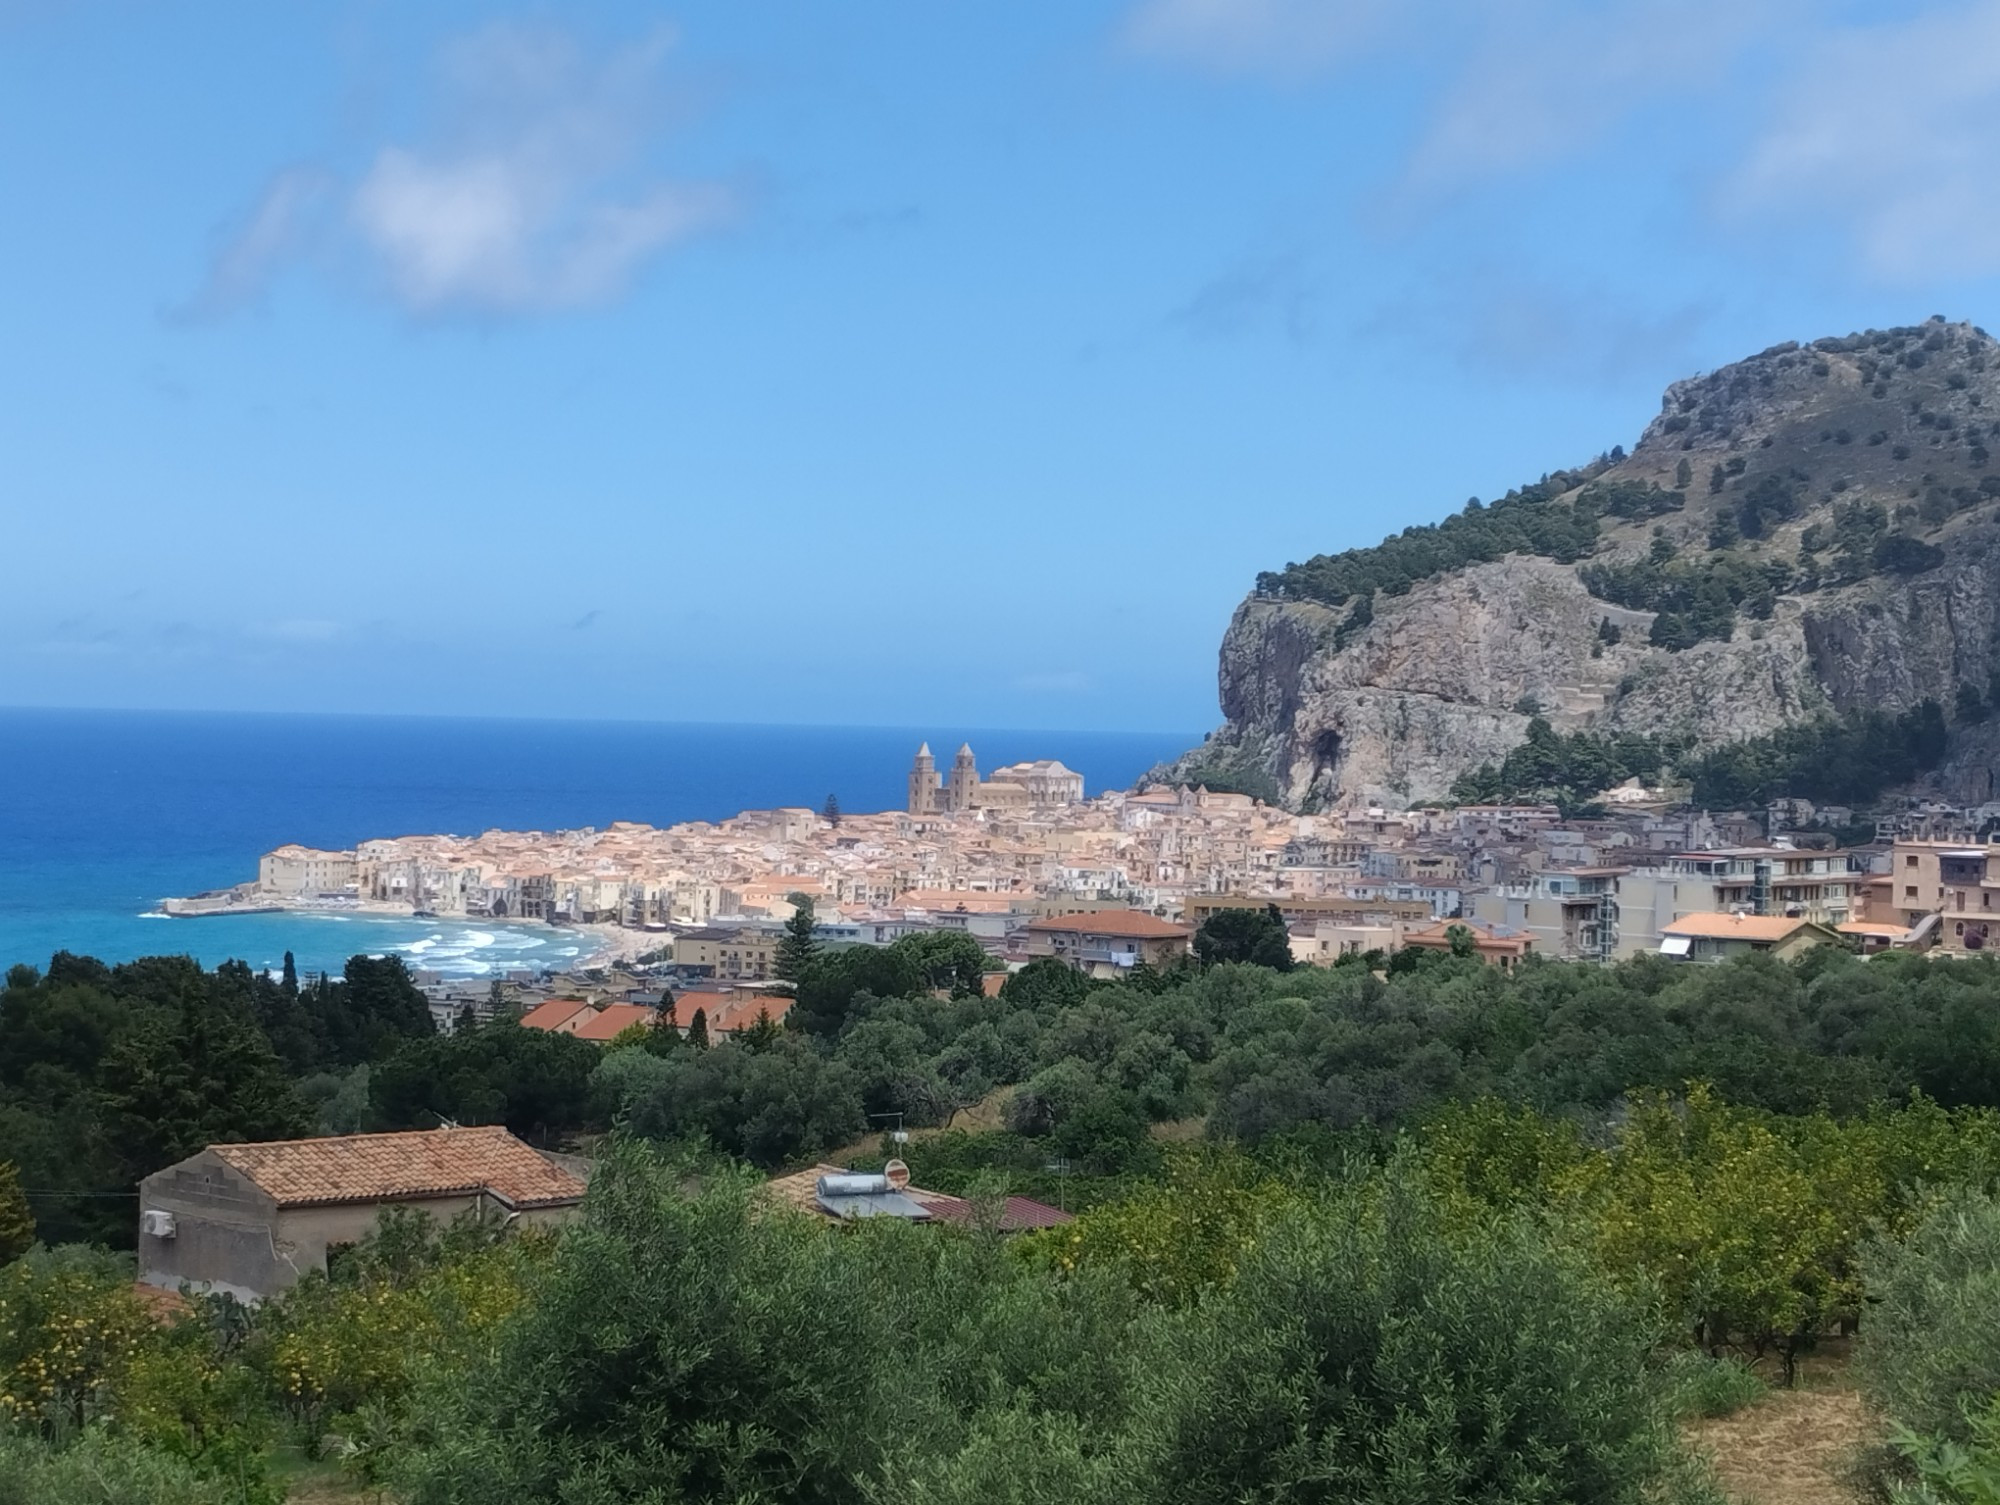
(1110, 942)
(734, 955)
(1572, 914)
(303, 872)
(1315, 909)
(1957, 882)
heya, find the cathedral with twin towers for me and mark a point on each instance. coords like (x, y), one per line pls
(1018, 786)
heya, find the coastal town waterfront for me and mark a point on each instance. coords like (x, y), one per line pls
(1025, 864)
(106, 812)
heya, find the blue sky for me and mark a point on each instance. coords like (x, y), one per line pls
(885, 364)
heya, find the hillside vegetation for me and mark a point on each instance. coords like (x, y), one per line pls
(1453, 1235)
(1849, 456)
(1807, 535)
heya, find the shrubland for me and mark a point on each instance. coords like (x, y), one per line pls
(1438, 1233)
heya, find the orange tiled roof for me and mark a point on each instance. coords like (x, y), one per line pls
(389, 1167)
(1724, 927)
(613, 1020)
(553, 1014)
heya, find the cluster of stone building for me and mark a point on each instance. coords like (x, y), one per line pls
(1028, 867)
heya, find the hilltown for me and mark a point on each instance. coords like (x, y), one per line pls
(1028, 867)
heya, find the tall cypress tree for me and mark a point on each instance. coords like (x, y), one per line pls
(800, 947)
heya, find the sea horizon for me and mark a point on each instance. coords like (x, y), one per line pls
(108, 811)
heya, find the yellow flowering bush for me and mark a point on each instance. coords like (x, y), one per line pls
(71, 1327)
(1176, 1238)
(335, 1348)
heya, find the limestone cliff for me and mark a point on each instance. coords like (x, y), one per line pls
(1832, 507)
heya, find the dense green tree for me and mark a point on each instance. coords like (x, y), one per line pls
(1370, 1356)
(697, 1035)
(946, 959)
(1257, 936)
(799, 947)
(17, 1220)
(536, 1082)
(828, 989)
(191, 1076)
(768, 1106)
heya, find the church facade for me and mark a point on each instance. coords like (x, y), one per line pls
(1019, 786)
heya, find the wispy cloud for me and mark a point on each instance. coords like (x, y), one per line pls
(1254, 294)
(1502, 320)
(1289, 39)
(532, 193)
(1892, 132)
(1885, 130)
(1543, 82)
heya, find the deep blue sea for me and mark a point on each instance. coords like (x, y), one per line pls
(103, 813)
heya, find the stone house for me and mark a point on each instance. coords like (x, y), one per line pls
(252, 1219)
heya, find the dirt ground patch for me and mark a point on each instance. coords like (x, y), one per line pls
(983, 1117)
(1790, 1448)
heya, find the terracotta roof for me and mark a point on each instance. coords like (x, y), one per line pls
(553, 1014)
(1134, 923)
(1017, 1214)
(1482, 933)
(1872, 927)
(613, 1020)
(390, 1167)
(1725, 927)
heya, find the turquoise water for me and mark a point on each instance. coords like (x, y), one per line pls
(104, 813)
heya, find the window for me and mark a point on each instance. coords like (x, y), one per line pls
(1910, 861)
(1910, 891)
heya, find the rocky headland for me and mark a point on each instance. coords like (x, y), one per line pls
(1818, 526)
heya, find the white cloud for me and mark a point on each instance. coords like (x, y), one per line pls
(531, 194)
(1286, 38)
(1519, 82)
(1548, 81)
(1892, 132)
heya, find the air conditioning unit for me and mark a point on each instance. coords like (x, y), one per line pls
(156, 1224)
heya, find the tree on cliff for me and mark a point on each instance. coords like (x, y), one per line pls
(832, 811)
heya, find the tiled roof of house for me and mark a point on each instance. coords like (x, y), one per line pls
(1017, 1214)
(1133, 923)
(392, 1167)
(1734, 927)
(613, 1020)
(553, 1014)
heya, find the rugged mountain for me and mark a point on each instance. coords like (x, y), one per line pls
(1812, 531)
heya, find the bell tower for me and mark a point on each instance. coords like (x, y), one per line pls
(923, 783)
(963, 791)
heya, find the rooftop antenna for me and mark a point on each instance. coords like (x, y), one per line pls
(1059, 1168)
(896, 1134)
